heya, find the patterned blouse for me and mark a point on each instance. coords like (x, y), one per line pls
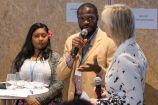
(125, 79)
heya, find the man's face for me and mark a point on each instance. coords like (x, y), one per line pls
(87, 19)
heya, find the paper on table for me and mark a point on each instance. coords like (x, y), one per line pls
(38, 92)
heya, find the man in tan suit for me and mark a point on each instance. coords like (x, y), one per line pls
(96, 46)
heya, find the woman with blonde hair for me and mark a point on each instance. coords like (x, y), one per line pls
(125, 79)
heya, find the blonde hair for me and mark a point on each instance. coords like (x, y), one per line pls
(119, 19)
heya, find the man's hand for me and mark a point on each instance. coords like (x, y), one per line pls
(94, 66)
(78, 42)
(32, 101)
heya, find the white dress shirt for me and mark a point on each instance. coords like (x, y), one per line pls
(36, 67)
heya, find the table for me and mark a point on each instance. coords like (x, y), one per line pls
(20, 93)
(8, 94)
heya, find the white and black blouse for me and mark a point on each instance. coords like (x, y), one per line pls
(125, 79)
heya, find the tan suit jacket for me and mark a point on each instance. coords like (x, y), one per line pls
(102, 46)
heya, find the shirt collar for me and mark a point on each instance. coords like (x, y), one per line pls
(124, 45)
(93, 35)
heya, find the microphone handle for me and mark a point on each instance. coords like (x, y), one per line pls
(74, 52)
(98, 91)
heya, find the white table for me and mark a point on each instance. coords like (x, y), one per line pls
(20, 93)
(8, 94)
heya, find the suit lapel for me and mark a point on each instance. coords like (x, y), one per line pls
(93, 45)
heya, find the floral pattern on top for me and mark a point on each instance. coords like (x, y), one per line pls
(125, 79)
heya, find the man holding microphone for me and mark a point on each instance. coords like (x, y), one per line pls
(89, 45)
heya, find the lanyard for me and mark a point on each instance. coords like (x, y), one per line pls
(32, 67)
(84, 51)
(86, 46)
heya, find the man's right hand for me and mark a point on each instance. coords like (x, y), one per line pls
(78, 42)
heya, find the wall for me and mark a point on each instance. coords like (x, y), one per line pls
(16, 16)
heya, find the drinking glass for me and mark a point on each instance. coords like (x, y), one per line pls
(39, 81)
(18, 77)
(19, 82)
(10, 81)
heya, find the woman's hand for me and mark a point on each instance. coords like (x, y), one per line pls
(103, 92)
(93, 101)
(32, 101)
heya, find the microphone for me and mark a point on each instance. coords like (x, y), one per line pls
(83, 34)
(98, 81)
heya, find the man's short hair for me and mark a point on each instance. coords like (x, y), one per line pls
(90, 5)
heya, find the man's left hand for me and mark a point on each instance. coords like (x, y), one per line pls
(94, 66)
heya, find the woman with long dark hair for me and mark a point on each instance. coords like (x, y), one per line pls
(36, 56)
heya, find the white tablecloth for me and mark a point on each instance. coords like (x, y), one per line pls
(29, 89)
(20, 93)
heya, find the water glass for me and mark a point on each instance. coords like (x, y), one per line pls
(19, 82)
(39, 78)
(18, 77)
(10, 81)
(39, 81)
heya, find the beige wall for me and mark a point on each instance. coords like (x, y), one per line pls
(16, 16)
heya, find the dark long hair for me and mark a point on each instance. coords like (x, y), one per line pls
(27, 50)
